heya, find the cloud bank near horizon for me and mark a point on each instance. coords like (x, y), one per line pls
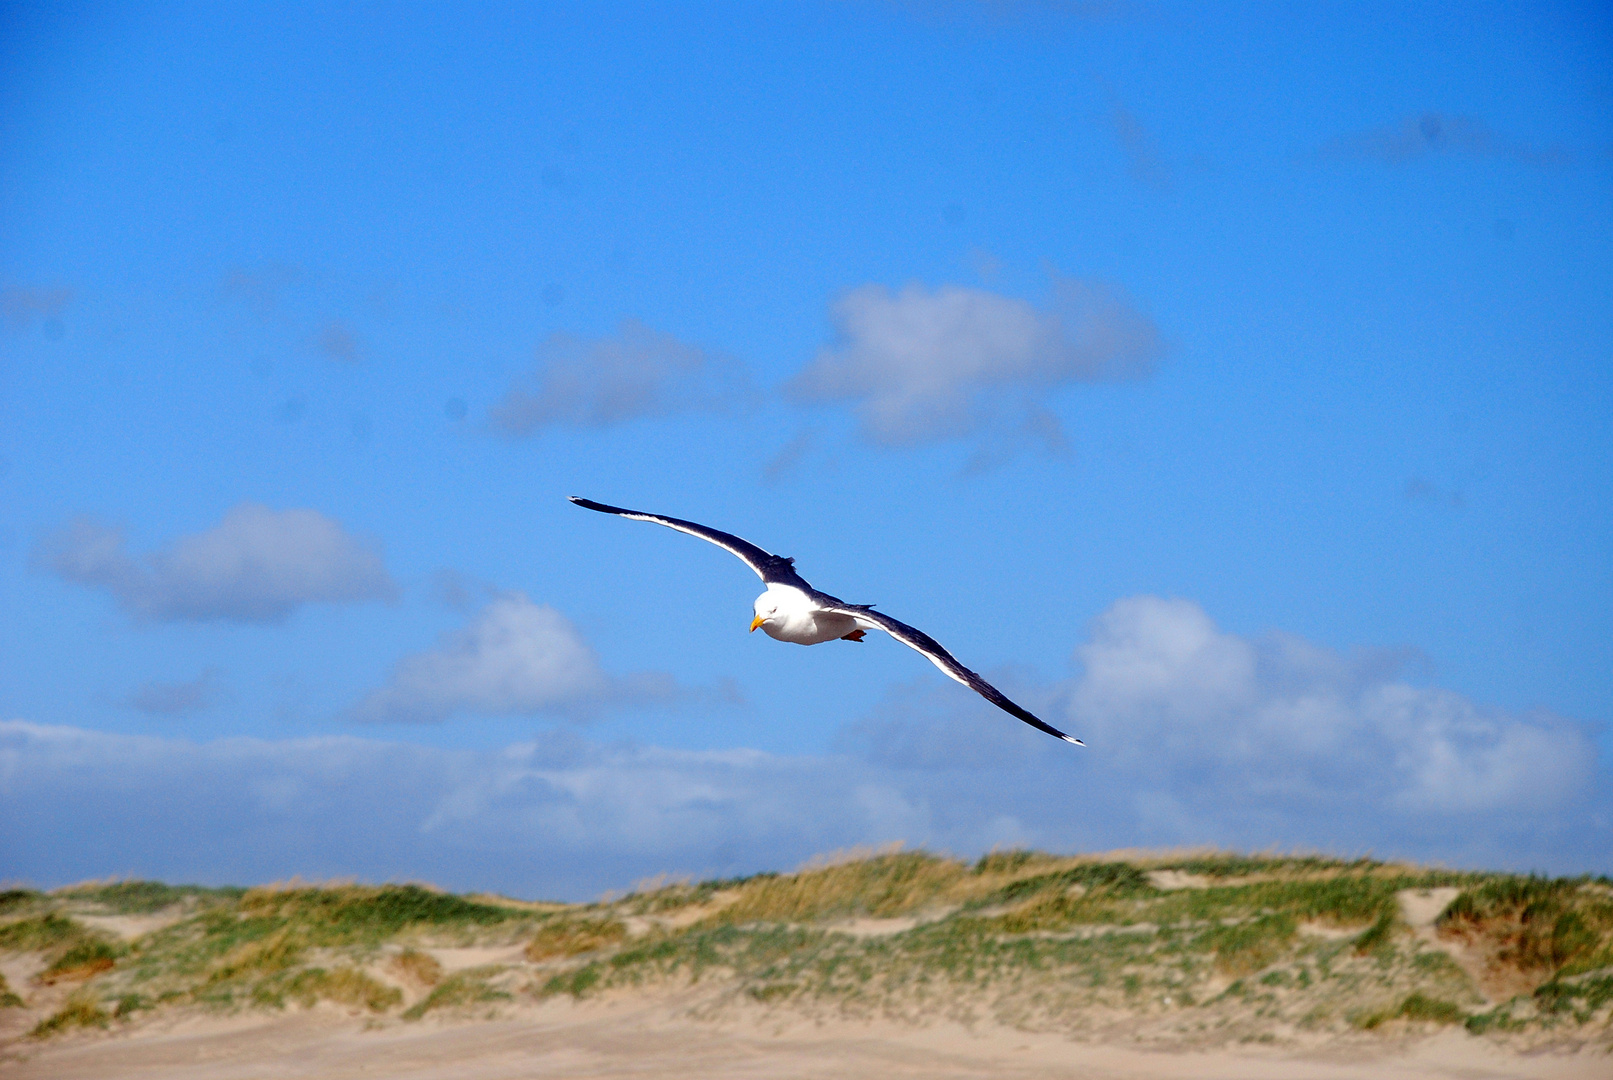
(1198, 737)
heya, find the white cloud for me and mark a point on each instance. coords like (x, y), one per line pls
(513, 658)
(1173, 695)
(610, 380)
(256, 565)
(1199, 736)
(923, 365)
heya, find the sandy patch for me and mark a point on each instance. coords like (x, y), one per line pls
(453, 960)
(129, 927)
(695, 912)
(649, 1038)
(874, 927)
(1420, 907)
(20, 969)
(1167, 880)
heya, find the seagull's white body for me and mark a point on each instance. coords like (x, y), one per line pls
(788, 614)
(792, 610)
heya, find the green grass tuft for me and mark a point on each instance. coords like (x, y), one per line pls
(8, 999)
(1006, 862)
(1578, 997)
(14, 899)
(1560, 925)
(39, 933)
(1379, 937)
(346, 986)
(78, 1012)
(357, 913)
(129, 1004)
(465, 988)
(576, 983)
(1417, 1008)
(84, 958)
(1245, 948)
(1112, 879)
(143, 897)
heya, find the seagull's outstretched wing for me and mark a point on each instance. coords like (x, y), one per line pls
(924, 643)
(769, 567)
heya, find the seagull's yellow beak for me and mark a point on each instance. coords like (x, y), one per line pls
(754, 623)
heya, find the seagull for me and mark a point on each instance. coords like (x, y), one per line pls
(792, 610)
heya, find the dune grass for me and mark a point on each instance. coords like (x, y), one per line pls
(15, 901)
(1191, 946)
(81, 1010)
(1417, 1008)
(8, 997)
(462, 990)
(143, 897)
(572, 937)
(84, 958)
(71, 949)
(39, 933)
(357, 913)
(417, 967)
(1563, 926)
(343, 985)
(882, 886)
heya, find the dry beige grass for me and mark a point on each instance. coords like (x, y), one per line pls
(883, 886)
(417, 967)
(573, 937)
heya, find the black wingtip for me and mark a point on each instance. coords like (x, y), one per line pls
(590, 504)
(1038, 723)
(1043, 725)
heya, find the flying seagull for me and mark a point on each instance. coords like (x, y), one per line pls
(792, 610)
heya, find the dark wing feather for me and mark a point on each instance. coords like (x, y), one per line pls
(917, 639)
(769, 567)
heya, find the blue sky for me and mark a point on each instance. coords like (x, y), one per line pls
(1230, 384)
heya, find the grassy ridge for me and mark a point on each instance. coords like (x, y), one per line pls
(1196, 947)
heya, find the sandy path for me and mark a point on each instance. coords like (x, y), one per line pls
(640, 1039)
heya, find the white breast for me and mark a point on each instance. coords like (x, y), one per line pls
(798, 620)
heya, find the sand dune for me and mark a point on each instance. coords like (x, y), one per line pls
(889, 965)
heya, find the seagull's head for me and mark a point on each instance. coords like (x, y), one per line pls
(766, 608)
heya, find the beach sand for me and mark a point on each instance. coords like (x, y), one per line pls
(644, 1036)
